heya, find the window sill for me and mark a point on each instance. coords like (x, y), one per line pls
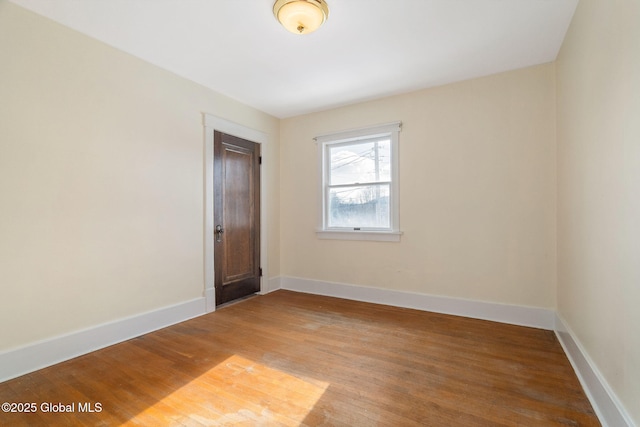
(380, 236)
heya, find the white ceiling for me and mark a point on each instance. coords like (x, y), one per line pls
(367, 49)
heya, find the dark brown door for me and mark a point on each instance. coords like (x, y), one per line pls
(236, 165)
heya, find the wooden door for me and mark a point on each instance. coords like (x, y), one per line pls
(236, 165)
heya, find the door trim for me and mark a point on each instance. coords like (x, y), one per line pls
(212, 123)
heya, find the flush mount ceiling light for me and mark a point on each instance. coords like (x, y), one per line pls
(301, 16)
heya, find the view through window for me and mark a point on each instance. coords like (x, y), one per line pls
(359, 183)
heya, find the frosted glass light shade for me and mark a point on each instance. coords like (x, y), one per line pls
(301, 16)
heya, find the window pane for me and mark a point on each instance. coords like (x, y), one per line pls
(359, 206)
(360, 162)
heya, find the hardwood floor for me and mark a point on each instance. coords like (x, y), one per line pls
(294, 359)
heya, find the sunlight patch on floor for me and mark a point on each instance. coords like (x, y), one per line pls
(238, 392)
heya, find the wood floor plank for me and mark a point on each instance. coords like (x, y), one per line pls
(293, 359)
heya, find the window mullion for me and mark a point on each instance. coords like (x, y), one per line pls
(359, 184)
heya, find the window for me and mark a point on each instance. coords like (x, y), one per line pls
(359, 180)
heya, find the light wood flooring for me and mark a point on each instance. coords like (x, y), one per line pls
(294, 359)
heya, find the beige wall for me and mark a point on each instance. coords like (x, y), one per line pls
(598, 79)
(101, 181)
(477, 193)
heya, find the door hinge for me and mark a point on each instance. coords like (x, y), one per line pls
(260, 272)
(260, 160)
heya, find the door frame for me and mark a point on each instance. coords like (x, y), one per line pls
(212, 123)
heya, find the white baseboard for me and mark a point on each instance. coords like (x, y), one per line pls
(517, 315)
(604, 401)
(270, 285)
(20, 361)
(210, 299)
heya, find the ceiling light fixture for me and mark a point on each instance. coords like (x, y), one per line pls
(301, 16)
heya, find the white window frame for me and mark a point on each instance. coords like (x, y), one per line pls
(393, 233)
